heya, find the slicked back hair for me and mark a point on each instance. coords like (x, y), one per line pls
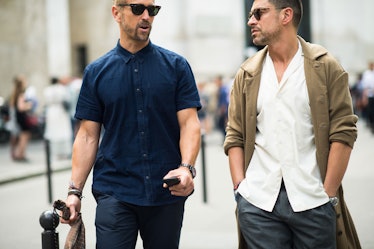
(295, 5)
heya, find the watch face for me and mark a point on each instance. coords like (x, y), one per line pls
(193, 171)
(334, 201)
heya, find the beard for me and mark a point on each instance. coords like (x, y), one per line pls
(137, 33)
(264, 38)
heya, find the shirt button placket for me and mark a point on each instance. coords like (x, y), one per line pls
(139, 106)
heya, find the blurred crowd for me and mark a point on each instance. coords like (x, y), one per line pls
(214, 97)
(21, 121)
(363, 96)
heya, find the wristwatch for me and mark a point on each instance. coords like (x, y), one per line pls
(190, 167)
(334, 200)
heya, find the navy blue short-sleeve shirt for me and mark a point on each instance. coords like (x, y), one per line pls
(136, 98)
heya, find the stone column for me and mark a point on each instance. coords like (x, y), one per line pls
(58, 37)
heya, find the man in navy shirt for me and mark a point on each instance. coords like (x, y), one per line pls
(145, 99)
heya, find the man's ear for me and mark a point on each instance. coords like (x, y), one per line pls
(287, 15)
(116, 13)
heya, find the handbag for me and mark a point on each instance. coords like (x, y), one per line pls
(31, 120)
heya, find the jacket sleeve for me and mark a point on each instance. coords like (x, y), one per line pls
(236, 114)
(342, 119)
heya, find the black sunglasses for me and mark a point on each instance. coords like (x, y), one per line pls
(257, 13)
(138, 9)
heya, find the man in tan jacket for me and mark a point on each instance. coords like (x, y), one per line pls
(290, 133)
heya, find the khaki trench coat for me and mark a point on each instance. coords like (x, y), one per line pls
(332, 117)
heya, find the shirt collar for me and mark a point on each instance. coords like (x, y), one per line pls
(140, 55)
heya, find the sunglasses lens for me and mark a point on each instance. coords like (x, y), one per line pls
(257, 14)
(153, 10)
(137, 9)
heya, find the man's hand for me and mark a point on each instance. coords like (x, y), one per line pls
(74, 205)
(186, 185)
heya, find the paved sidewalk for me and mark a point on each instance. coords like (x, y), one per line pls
(207, 225)
(11, 171)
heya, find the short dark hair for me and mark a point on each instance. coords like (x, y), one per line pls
(295, 5)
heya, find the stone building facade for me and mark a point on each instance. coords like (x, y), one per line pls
(44, 38)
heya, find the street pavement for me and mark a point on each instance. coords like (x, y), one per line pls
(209, 223)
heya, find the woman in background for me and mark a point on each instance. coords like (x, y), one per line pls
(21, 106)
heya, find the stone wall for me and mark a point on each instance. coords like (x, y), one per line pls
(41, 38)
(23, 47)
(345, 29)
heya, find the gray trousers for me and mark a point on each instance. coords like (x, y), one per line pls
(285, 229)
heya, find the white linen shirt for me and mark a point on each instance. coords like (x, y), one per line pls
(284, 145)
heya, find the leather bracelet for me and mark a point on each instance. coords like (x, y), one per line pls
(76, 192)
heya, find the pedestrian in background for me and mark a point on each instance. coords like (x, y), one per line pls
(57, 119)
(22, 108)
(74, 86)
(13, 128)
(146, 99)
(203, 113)
(368, 95)
(358, 100)
(222, 104)
(289, 137)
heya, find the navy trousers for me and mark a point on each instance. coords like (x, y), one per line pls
(118, 224)
(285, 229)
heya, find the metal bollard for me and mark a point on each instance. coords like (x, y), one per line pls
(205, 198)
(49, 220)
(49, 168)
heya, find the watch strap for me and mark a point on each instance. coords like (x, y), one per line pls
(190, 167)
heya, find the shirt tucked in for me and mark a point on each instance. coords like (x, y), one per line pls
(284, 145)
